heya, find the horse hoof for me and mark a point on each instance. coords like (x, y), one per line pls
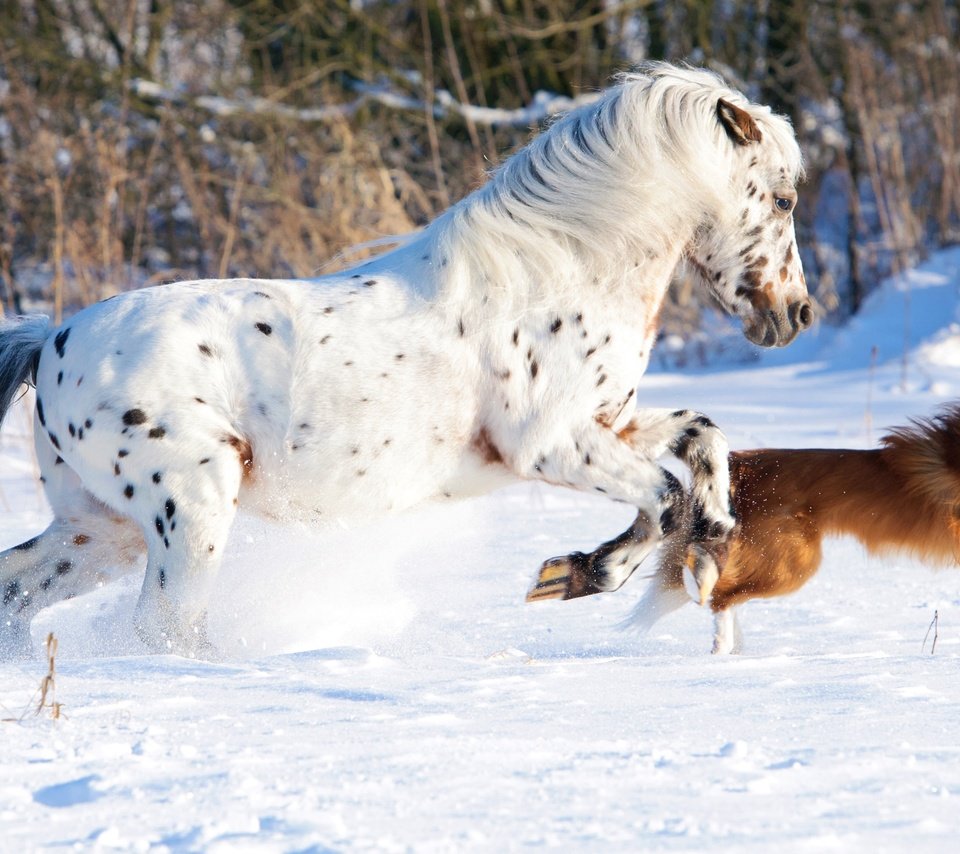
(571, 577)
(553, 580)
(189, 642)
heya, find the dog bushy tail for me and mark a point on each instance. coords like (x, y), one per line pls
(926, 454)
(21, 340)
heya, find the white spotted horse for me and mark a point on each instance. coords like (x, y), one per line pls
(504, 341)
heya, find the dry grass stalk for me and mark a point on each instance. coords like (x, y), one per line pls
(48, 685)
(935, 626)
(44, 698)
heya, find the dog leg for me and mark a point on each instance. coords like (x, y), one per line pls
(737, 633)
(727, 637)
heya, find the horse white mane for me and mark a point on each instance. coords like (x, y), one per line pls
(612, 184)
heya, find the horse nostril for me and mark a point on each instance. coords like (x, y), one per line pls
(802, 314)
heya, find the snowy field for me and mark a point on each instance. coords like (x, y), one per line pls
(387, 689)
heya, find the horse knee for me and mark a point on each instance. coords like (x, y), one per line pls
(703, 447)
(700, 444)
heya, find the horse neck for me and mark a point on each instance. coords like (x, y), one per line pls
(501, 267)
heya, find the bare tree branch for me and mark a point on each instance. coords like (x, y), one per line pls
(543, 105)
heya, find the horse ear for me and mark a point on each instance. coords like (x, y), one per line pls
(738, 123)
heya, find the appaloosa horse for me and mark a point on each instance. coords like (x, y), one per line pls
(505, 340)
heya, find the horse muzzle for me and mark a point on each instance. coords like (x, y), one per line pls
(777, 329)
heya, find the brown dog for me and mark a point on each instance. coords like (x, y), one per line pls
(903, 497)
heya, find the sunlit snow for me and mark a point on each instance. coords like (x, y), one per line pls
(388, 689)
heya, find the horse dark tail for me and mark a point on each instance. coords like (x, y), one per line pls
(21, 340)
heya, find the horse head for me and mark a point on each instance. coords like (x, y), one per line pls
(746, 252)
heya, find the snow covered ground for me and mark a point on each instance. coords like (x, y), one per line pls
(387, 689)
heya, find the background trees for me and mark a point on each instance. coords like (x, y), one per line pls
(148, 140)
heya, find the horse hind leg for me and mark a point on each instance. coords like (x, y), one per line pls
(186, 529)
(72, 556)
(84, 542)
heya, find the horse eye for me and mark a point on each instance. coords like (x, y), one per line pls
(784, 204)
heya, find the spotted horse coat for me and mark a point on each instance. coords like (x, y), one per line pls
(505, 341)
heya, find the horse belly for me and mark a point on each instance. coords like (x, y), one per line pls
(345, 461)
(379, 418)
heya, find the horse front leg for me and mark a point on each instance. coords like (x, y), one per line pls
(607, 567)
(622, 464)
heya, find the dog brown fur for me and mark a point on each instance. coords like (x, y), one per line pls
(902, 497)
